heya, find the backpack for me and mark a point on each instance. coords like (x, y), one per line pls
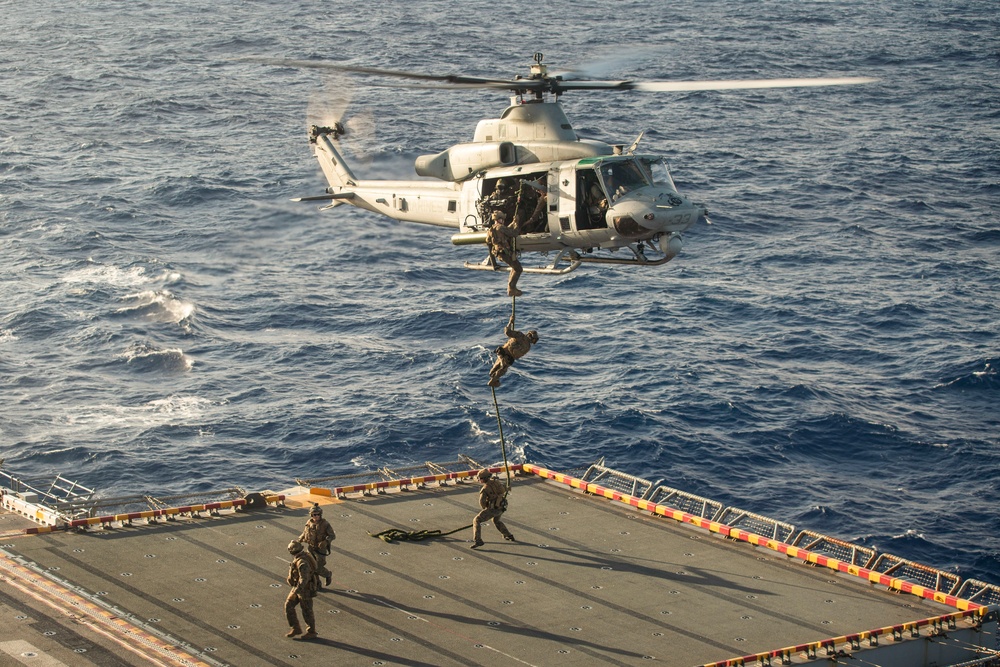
(311, 586)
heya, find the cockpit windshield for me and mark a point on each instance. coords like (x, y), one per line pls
(658, 171)
(621, 177)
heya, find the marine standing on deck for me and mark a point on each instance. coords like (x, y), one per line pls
(518, 344)
(302, 579)
(493, 501)
(318, 534)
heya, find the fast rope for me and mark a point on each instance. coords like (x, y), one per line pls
(503, 444)
(513, 315)
(496, 405)
(395, 534)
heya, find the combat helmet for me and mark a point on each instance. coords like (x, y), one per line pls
(316, 510)
(294, 547)
(532, 336)
(484, 474)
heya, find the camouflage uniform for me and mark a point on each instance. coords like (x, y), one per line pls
(536, 219)
(499, 238)
(317, 535)
(517, 346)
(301, 577)
(492, 501)
(531, 202)
(503, 200)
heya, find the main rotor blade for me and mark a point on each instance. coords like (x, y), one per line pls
(374, 71)
(741, 84)
(557, 85)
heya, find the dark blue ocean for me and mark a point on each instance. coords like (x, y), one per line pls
(826, 353)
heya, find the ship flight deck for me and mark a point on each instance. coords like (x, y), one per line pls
(596, 577)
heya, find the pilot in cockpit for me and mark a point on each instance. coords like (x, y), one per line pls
(613, 183)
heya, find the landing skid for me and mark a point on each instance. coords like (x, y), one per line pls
(638, 257)
(570, 259)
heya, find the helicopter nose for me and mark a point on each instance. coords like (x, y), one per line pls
(666, 212)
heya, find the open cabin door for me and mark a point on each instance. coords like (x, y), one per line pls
(521, 197)
(583, 204)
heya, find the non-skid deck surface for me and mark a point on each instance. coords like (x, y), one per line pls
(588, 582)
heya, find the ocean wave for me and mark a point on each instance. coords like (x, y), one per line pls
(192, 190)
(836, 435)
(102, 274)
(147, 358)
(156, 306)
(172, 410)
(985, 236)
(985, 378)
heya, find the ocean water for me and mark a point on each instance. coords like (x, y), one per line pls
(826, 353)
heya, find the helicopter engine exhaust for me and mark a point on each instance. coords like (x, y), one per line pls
(463, 160)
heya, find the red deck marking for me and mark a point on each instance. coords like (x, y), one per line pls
(147, 514)
(374, 486)
(758, 540)
(112, 626)
(831, 643)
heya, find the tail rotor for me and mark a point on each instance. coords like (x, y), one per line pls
(328, 108)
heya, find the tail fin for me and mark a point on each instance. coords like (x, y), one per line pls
(337, 173)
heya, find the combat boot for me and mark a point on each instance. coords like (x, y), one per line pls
(477, 544)
(311, 634)
(293, 632)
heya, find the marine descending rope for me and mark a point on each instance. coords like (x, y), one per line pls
(513, 314)
(395, 534)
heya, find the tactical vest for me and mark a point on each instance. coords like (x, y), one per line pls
(497, 239)
(311, 587)
(496, 495)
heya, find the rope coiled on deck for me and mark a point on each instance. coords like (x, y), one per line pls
(397, 535)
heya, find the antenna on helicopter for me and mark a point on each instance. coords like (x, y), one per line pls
(635, 144)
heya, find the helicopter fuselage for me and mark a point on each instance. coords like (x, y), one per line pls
(565, 194)
(529, 169)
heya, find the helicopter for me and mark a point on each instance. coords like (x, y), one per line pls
(581, 199)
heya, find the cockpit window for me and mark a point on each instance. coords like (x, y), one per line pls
(657, 171)
(622, 177)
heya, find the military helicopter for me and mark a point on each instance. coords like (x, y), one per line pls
(581, 199)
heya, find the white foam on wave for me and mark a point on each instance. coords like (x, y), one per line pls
(476, 430)
(516, 452)
(170, 277)
(973, 378)
(172, 410)
(156, 306)
(169, 358)
(910, 533)
(97, 274)
(105, 274)
(7, 336)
